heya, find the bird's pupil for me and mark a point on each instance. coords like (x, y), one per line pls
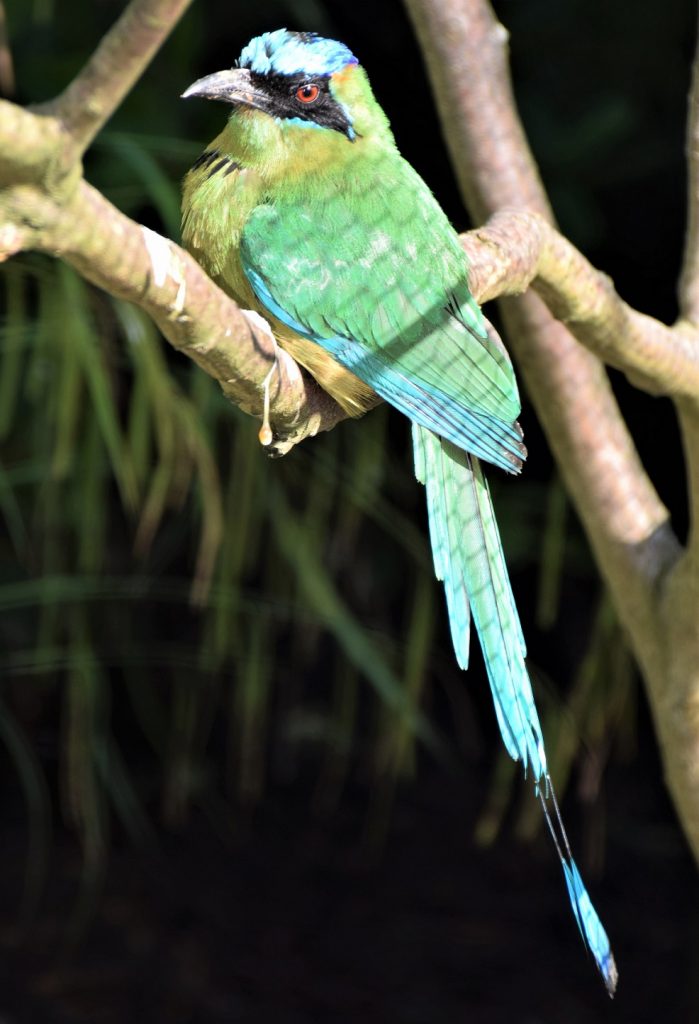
(307, 93)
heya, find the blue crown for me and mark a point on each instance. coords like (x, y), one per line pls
(293, 53)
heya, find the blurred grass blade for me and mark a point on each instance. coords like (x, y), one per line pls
(125, 799)
(160, 189)
(77, 328)
(184, 451)
(552, 554)
(38, 801)
(69, 409)
(338, 751)
(12, 514)
(209, 504)
(182, 777)
(239, 547)
(250, 708)
(302, 553)
(91, 498)
(139, 431)
(14, 340)
(417, 655)
(504, 778)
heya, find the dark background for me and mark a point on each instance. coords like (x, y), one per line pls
(209, 813)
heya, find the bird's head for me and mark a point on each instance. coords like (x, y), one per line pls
(297, 98)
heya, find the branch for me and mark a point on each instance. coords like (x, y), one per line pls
(689, 310)
(233, 346)
(465, 49)
(30, 142)
(7, 73)
(114, 67)
(655, 585)
(628, 527)
(527, 250)
(45, 205)
(689, 278)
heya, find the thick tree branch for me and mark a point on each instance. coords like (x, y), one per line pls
(30, 142)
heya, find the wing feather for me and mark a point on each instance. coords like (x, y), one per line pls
(389, 299)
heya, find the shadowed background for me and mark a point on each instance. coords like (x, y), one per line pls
(242, 777)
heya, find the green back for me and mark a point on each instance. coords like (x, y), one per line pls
(369, 255)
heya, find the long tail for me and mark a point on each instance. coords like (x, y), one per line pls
(468, 557)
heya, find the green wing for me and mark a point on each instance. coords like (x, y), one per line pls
(371, 270)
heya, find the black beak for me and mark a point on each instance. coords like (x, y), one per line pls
(233, 86)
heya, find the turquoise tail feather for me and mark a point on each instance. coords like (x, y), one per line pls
(468, 558)
(591, 928)
(587, 919)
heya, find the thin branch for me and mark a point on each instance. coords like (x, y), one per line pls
(114, 67)
(689, 279)
(527, 250)
(7, 71)
(689, 311)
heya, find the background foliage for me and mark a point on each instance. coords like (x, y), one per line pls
(205, 654)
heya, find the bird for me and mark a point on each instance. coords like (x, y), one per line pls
(303, 209)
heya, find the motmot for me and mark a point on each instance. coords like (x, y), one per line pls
(303, 209)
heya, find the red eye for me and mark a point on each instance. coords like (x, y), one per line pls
(307, 93)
